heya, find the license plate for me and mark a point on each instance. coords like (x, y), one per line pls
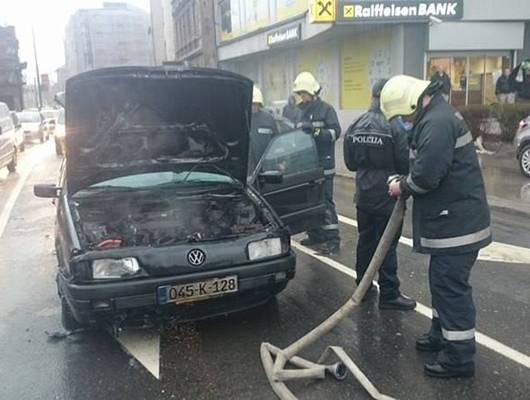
(194, 291)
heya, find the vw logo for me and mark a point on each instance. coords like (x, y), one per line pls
(196, 257)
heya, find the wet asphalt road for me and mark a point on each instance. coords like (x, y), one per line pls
(219, 358)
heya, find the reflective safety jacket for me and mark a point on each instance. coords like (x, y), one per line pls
(326, 130)
(262, 129)
(376, 150)
(451, 213)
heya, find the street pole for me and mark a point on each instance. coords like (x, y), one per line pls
(37, 70)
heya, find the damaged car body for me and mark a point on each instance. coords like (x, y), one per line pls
(158, 216)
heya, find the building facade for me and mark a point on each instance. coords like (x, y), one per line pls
(350, 44)
(195, 32)
(11, 81)
(116, 35)
(163, 31)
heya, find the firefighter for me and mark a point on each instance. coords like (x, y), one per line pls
(319, 119)
(376, 150)
(262, 128)
(451, 219)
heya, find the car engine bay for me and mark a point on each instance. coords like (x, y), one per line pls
(148, 219)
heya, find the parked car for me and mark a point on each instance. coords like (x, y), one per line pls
(8, 146)
(19, 132)
(49, 116)
(522, 146)
(59, 134)
(31, 121)
(157, 214)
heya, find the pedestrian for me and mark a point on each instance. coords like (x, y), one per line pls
(503, 88)
(319, 119)
(291, 111)
(262, 129)
(376, 150)
(520, 81)
(451, 219)
(441, 76)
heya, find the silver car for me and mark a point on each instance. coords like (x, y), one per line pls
(522, 146)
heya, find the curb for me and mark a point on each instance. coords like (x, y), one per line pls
(494, 202)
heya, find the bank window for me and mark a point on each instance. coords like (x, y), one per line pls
(473, 78)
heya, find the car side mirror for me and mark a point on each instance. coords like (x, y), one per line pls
(270, 177)
(46, 190)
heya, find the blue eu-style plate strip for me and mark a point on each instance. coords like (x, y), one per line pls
(162, 294)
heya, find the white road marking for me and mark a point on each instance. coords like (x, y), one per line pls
(144, 346)
(495, 252)
(422, 309)
(35, 156)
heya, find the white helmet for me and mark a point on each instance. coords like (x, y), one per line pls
(257, 96)
(306, 82)
(401, 94)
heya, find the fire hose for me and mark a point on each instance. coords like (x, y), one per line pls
(274, 360)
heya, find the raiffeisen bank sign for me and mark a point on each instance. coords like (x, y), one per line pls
(398, 10)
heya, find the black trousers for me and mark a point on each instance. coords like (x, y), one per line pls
(371, 227)
(453, 308)
(329, 231)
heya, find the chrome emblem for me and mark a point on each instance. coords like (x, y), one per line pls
(196, 257)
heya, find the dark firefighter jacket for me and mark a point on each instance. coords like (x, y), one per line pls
(376, 150)
(503, 86)
(262, 129)
(450, 213)
(522, 88)
(324, 124)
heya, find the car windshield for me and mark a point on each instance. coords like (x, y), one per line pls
(29, 116)
(165, 178)
(49, 114)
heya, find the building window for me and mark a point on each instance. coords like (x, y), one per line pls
(473, 77)
(226, 16)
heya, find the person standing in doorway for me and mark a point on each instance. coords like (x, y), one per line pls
(319, 119)
(503, 88)
(451, 218)
(376, 150)
(441, 76)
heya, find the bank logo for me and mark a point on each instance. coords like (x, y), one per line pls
(373, 10)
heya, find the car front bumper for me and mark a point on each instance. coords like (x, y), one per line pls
(136, 300)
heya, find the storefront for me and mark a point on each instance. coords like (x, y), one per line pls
(472, 39)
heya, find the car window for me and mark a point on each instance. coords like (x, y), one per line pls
(163, 178)
(291, 153)
(29, 117)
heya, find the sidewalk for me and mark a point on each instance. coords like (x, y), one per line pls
(507, 189)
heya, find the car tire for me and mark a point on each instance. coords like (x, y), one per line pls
(58, 148)
(67, 317)
(524, 161)
(12, 166)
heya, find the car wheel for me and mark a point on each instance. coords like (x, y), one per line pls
(524, 161)
(12, 166)
(67, 317)
(58, 148)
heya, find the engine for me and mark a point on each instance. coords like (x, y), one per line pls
(145, 220)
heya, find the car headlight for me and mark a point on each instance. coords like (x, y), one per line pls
(264, 248)
(109, 268)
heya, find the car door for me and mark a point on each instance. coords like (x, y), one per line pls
(299, 198)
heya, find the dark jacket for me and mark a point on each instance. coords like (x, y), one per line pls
(521, 88)
(375, 149)
(262, 129)
(325, 127)
(446, 82)
(503, 85)
(451, 213)
(291, 112)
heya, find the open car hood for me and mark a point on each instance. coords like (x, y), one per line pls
(126, 120)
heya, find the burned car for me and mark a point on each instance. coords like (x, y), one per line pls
(157, 215)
